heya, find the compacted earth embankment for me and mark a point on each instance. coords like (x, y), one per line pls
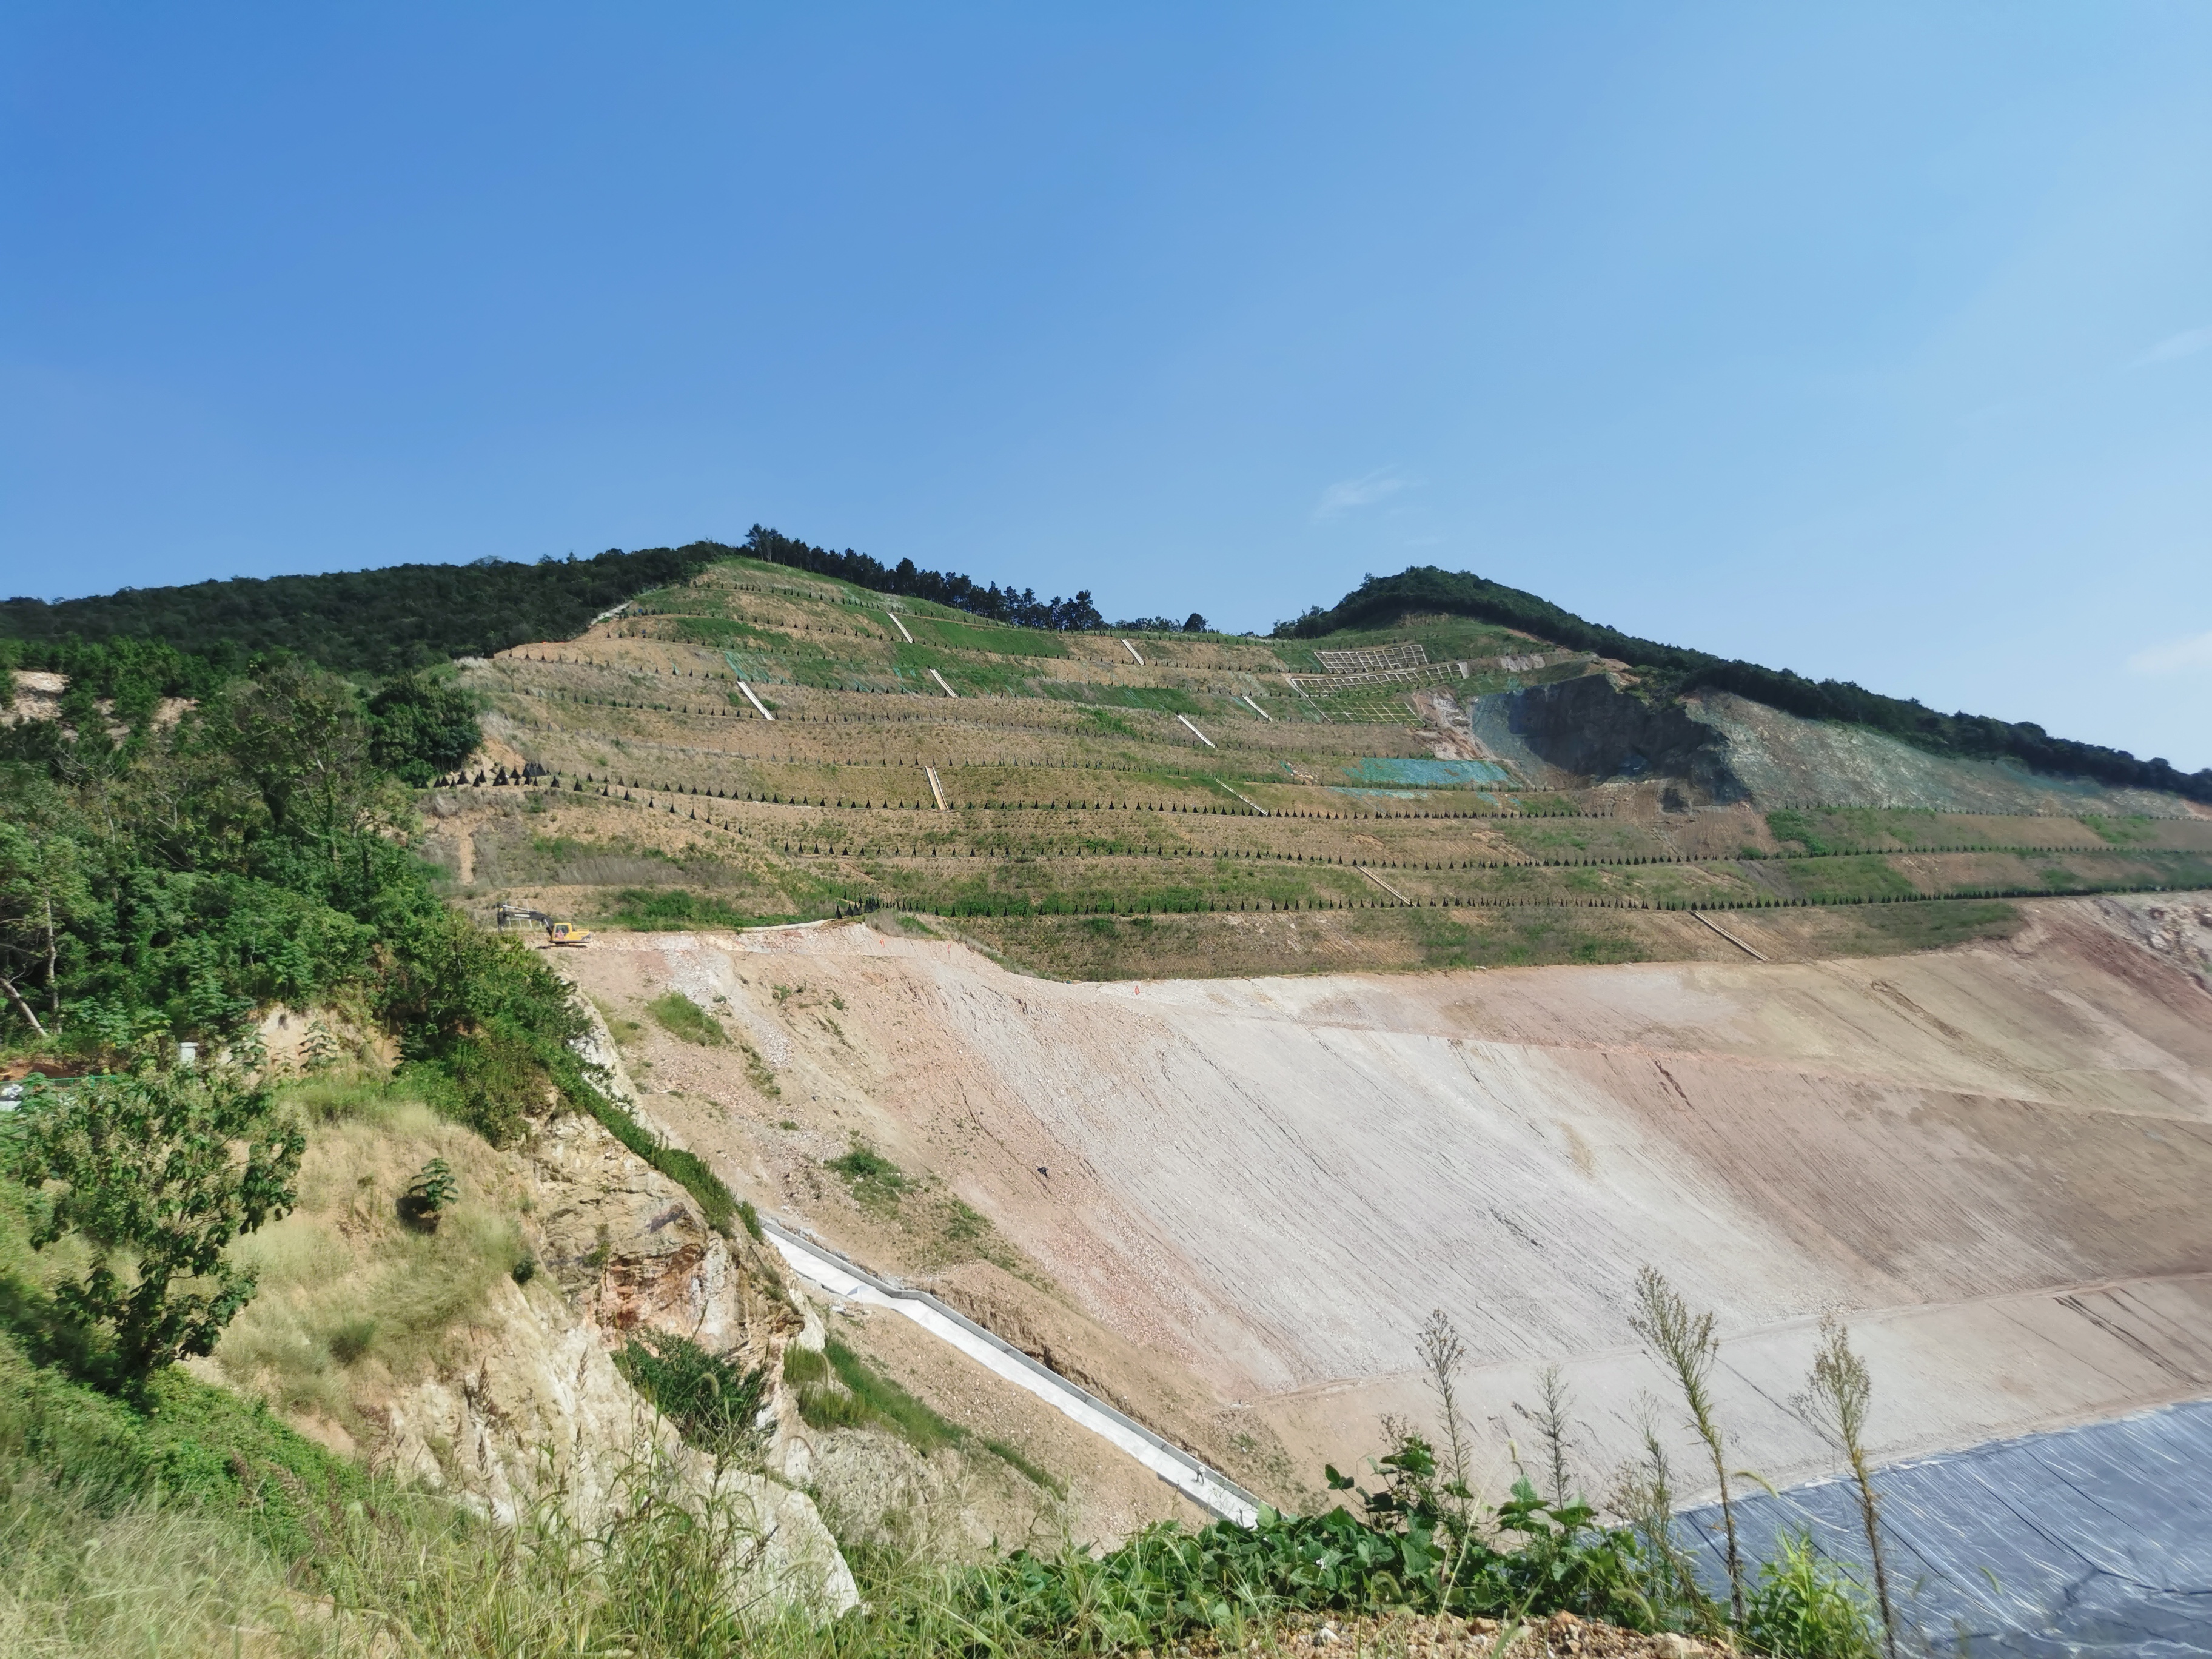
(1228, 1206)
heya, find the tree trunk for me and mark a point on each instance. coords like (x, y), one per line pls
(53, 985)
(22, 1006)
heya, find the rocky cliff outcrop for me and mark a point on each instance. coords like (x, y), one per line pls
(526, 1401)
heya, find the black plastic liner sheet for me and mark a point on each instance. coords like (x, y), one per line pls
(2093, 1541)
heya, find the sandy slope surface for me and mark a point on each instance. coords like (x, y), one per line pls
(1243, 1196)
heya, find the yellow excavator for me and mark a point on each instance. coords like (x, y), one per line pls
(556, 933)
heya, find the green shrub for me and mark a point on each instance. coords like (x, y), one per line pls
(673, 909)
(427, 1196)
(156, 1173)
(351, 1340)
(1806, 1607)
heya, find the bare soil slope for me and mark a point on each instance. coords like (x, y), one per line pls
(1249, 1193)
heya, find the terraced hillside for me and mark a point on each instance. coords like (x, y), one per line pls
(759, 745)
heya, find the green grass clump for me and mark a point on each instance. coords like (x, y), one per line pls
(885, 1401)
(680, 1016)
(1806, 1607)
(757, 1071)
(186, 1442)
(1850, 880)
(711, 1401)
(1015, 1458)
(2120, 832)
(717, 1203)
(872, 1179)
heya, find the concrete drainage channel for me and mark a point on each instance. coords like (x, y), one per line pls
(827, 1270)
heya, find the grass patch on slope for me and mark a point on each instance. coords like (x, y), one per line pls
(676, 910)
(1938, 923)
(836, 1388)
(874, 1180)
(681, 1017)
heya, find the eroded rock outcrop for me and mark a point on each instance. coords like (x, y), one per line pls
(527, 1402)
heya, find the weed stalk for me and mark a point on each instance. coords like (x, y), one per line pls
(1686, 1347)
(1836, 1397)
(1441, 1353)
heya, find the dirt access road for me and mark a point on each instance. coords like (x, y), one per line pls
(1242, 1197)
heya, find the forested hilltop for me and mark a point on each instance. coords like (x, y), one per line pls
(411, 616)
(402, 616)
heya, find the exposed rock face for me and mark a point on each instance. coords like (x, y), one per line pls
(2177, 927)
(530, 1403)
(1573, 731)
(631, 1245)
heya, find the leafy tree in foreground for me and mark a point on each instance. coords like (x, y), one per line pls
(157, 1173)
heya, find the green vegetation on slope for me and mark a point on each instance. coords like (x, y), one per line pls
(161, 887)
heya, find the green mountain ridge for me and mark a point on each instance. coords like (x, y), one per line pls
(411, 616)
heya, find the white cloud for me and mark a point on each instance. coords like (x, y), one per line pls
(2187, 343)
(1364, 491)
(2189, 656)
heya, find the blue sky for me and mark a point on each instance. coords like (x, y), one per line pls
(1873, 341)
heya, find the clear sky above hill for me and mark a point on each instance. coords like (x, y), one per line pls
(1867, 340)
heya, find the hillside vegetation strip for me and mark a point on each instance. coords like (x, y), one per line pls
(414, 616)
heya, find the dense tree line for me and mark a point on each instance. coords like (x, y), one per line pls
(1380, 601)
(411, 615)
(1022, 608)
(416, 725)
(165, 879)
(379, 622)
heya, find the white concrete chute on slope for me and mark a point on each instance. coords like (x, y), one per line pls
(840, 1278)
